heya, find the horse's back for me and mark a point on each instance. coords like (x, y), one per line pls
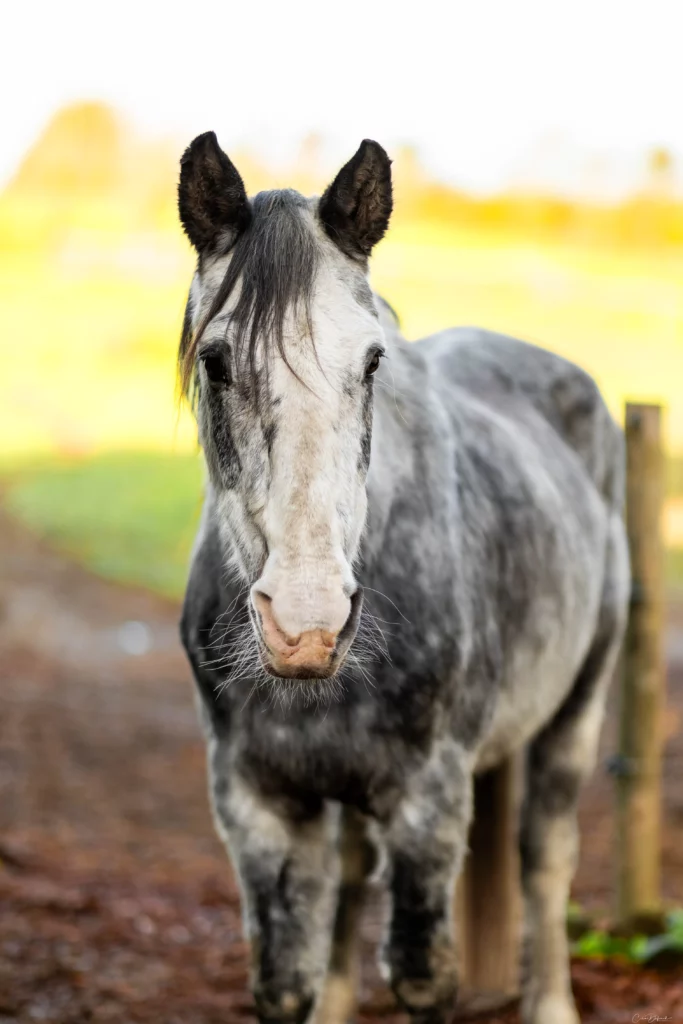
(512, 375)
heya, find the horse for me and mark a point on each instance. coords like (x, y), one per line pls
(411, 563)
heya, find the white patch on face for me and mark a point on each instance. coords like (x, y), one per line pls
(316, 505)
(297, 515)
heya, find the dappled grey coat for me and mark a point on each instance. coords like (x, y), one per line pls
(494, 576)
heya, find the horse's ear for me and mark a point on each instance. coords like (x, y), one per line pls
(212, 201)
(355, 209)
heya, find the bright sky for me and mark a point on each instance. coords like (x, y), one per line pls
(482, 87)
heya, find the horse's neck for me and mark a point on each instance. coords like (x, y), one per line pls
(396, 402)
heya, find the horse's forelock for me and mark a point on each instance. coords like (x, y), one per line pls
(275, 260)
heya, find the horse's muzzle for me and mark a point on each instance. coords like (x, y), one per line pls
(313, 654)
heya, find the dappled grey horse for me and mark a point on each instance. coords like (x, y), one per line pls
(411, 563)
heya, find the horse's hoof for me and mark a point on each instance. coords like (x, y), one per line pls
(282, 1006)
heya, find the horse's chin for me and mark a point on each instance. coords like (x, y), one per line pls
(302, 673)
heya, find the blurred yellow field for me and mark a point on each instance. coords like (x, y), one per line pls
(87, 360)
(94, 272)
(88, 341)
(617, 313)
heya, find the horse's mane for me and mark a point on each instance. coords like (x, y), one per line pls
(275, 259)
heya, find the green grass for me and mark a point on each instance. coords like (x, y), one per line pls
(129, 517)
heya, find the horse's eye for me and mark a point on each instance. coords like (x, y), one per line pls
(215, 367)
(373, 364)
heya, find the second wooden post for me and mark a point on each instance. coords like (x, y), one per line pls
(643, 682)
(488, 901)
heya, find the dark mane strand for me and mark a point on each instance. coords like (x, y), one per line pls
(275, 259)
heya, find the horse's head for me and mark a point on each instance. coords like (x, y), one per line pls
(280, 344)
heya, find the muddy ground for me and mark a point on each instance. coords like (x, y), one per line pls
(116, 900)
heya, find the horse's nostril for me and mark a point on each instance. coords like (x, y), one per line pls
(351, 623)
(269, 624)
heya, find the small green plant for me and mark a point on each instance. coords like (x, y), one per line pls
(640, 949)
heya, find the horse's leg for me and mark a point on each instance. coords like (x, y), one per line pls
(285, 857)
(426, 844)
(559, 760)
(338, 1000)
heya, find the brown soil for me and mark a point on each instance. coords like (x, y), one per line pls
(117, 901)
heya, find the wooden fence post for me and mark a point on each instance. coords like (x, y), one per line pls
(643, 676)
(488, 900)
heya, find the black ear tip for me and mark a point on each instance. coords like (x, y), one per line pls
(201, 143)
(206, 138)
(372, 148)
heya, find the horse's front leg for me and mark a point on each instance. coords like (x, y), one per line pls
(285, 858)
(426, 843)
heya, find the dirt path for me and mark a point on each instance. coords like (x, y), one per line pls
(116, 901)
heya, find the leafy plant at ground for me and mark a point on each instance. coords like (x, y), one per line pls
(642, 949)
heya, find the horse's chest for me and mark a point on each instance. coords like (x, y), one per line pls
(334, 757)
